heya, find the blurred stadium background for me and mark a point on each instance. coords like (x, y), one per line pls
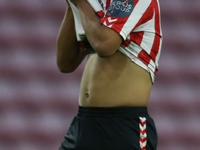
(37, 102)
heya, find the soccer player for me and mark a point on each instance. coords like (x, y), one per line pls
(122, 44)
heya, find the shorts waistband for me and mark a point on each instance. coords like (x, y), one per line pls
(112, 111)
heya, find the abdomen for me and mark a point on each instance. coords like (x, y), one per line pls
(113, 82)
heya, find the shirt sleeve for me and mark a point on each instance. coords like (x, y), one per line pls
(124, 16)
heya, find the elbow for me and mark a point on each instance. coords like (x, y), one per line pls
(103, 53)
(63, 68)
(104, 50)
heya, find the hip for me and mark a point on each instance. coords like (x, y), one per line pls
(118, 128)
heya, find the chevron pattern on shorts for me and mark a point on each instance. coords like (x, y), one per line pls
(143, 134)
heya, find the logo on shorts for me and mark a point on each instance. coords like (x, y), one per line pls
(120, 8)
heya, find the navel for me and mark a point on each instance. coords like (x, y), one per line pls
(87, 95)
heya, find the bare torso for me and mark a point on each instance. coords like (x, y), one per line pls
(113, 82)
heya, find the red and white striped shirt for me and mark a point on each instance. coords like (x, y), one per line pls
(138, 22)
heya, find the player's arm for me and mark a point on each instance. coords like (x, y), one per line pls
(104, 40)
(69, 54)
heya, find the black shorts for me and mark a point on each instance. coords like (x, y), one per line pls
(118, 128)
